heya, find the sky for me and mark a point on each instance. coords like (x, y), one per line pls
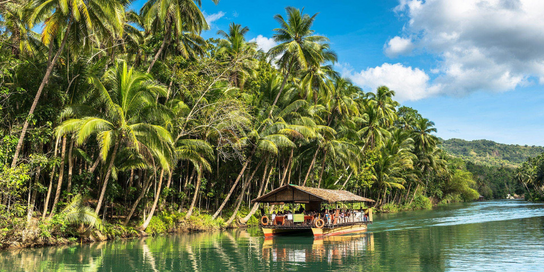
(474, 67)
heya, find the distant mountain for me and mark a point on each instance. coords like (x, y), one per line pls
(485, 152)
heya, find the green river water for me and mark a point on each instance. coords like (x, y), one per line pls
(479, 236)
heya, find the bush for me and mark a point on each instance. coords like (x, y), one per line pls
(421, 202)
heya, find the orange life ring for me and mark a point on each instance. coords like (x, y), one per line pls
(319, 223)
(265, 220)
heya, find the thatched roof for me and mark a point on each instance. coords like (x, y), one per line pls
(300, 194)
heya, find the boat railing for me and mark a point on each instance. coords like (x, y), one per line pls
(314, 219)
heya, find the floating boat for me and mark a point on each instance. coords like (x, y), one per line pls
(315, 220)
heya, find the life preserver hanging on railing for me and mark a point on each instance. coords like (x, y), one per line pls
(319, 223)
(265, 220)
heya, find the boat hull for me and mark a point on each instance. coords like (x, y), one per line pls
(356, 228)
(317, 232)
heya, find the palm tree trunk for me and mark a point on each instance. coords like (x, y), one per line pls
(39, 93)
(311, 167)
(346, 182)
(108, 173)
(322, 169)
(261, 192)
(287, 168)
(46, 203)
(61, 176)
(233, 186)
(95, 165)
(32, 196)
(281, 89)
(239, 200)
(198, 179)
(135, 205)
(415, 192)
(70, 168)
(163, 45)
(157, 197)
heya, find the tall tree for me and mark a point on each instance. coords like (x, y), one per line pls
(69, 20)
(299, 47)
(172, 16)
(129, 101)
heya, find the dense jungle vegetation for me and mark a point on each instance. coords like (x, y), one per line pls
(126, 119)
(531, 176)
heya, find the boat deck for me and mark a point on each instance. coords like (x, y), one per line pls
(310, 226)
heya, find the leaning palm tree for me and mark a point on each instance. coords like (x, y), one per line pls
(299, 47)
(127, 120)
(75, 20)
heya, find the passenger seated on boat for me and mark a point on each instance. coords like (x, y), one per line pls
(289, 218)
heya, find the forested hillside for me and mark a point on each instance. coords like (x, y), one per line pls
(489, 153)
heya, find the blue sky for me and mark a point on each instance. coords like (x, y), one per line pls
(474, 67)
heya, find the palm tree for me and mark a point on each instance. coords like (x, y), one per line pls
(298, 48)
(172, 16)
(129, 101)
(77, 19)
(13, 20)
(373, 133)
(198, 152)
(238, 52)
(384, 104)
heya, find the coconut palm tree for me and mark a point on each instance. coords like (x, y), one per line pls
(74, 21)
(240, 54)
(299, 47)
(172, 16)
(129, 119)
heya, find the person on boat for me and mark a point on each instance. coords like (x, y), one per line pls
(273, 217)
(342, 216)
(327, 217)
(289, 217)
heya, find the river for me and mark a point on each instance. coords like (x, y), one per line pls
(479, 236)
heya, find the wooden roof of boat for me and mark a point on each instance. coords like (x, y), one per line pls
(301, 194)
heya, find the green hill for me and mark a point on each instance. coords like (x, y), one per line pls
(489, 153)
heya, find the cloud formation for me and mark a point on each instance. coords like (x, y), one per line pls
(398, 46)
(264, 43)
(491, 45)
(407, 82)
(213, 17)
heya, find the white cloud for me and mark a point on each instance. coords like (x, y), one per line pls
(398, 46)
(492, 45)
(264, 43)
(213, 17)
(407, 82)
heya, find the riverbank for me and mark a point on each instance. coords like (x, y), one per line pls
(57, 231)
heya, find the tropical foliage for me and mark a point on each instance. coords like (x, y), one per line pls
(140, 115)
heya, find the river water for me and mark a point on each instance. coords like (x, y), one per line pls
(479, 236)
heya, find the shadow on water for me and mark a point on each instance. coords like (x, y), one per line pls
(486, 236)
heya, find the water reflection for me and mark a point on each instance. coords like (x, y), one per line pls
(489, 236)
(331, 250)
